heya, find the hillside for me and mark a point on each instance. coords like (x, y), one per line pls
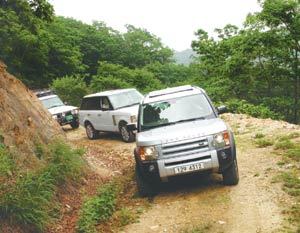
(35, 159)
(184, 57)
(24, 121)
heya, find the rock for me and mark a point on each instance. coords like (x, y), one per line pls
(154, 227)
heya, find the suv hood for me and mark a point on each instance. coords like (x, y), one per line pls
(61, 109)
(132, 110)
(180, 131)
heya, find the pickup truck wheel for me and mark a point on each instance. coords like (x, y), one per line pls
(74, 124)
(145, 189)
(127, 136)
(91, 132)
(231, 175)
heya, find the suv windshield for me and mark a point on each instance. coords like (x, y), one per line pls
(168, 112)
(52, 102)
(126, 99)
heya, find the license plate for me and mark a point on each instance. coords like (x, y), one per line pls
(188, 168)
(69, 117)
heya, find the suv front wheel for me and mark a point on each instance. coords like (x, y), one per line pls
(91, 132)
(231, 174)
(127, 136)
(74, 124)
(145, 188)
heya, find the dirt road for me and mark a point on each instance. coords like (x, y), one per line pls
(203, 203)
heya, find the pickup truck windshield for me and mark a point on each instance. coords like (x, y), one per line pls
(125, 99)
(178, 110)
(52, 102)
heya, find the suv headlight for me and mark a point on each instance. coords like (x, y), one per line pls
(221, 140)
(147, 153)
(75, 112)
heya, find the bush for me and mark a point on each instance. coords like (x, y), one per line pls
(260, 111)
(70, 89)
(263, 142)
(29, 200)
(97, 209)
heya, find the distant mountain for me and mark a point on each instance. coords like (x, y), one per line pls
(184, 57)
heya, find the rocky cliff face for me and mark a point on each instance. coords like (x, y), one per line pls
(24, 122)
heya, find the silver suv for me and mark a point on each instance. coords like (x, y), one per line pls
(179, 132)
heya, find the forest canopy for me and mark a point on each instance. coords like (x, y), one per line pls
(253, 69)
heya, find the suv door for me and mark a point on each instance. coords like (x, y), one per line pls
(89, 111)
(106, 118)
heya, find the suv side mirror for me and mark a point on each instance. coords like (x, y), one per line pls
(222, 109)
(131, 127)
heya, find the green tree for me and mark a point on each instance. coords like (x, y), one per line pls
(283, 17)
(70, 89)
(142, 48)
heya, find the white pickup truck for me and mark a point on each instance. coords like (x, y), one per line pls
(110, 111)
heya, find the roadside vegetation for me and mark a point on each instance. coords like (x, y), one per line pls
(288, 147)
(112, 207)
(97, 209)
(28, 196)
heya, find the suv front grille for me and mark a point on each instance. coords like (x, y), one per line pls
(186, 147)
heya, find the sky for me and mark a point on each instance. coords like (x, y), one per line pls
(173, 21)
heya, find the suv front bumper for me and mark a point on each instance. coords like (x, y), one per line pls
(161, 169)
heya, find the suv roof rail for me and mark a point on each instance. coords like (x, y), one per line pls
(169, 91)
(42, 93)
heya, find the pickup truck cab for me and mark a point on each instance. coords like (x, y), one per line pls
(179, 132)
(110, 111)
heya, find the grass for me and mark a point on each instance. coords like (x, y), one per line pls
(289, 136)
(291, 177)
(263, 142)
(294, 153)
(97, 209)
(29, 200)
(291, 183)
(284, 144)
(125, 217)
(198, 229)
(6, 162)
(292, 186)
(259, 135)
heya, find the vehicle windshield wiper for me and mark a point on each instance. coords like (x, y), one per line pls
(191, 119)
(156, 126)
